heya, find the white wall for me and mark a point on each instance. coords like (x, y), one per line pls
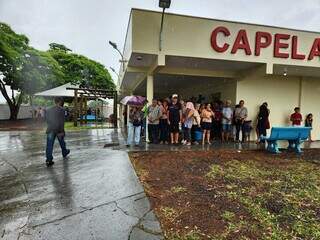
(310, 96)
(283, 94)
(24, 113)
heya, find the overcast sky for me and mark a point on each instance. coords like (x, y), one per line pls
(85, 26)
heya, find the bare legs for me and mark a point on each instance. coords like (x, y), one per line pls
(225, 136)
(206, 135)
(174, 138)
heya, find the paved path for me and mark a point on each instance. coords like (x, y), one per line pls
(95, 194)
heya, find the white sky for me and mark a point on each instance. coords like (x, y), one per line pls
(86, 26)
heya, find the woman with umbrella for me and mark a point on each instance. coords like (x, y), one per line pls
(135, 120)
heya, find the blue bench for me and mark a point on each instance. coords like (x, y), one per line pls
(294, 135)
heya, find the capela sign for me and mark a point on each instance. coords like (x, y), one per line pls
(284, 45)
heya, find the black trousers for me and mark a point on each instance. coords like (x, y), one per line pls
(240, 127)
(164, 130)
(153, 130)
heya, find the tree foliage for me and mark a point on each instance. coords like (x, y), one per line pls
(81, 70)
(28, 70)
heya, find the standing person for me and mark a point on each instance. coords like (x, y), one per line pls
(174, 119)
(296, 117)
(183, 111)
(134, 125)
(217, 121)
(154, 115)
(263, 121)
(196, 124)
(55, 129)
(227, 116)
(206, 117)
(241, 114)
(164, 127)
(308, 123)
(188, 121)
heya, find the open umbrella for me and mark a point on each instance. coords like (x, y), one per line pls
(133, 100)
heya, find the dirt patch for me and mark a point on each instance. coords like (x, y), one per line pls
(226, 194)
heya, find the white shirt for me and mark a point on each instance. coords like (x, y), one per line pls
(228, 113)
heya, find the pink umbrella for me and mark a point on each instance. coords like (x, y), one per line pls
(133, 100)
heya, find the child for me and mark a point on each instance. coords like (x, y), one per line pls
(308, 123)
(296, 117)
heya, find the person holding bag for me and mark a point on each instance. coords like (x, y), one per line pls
(134, 125)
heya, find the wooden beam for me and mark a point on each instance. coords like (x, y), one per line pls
(75, 108)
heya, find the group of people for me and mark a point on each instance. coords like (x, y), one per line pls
(174, 121)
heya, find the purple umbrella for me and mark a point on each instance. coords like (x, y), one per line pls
(133, 100)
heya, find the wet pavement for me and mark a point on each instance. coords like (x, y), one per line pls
(94, 194)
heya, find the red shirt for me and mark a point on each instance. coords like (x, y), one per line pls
(296, 118)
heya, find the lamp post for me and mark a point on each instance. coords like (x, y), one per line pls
(123, 61)
(163, 4)
(114, 71)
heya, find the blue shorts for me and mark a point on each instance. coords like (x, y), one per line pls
(226, 127)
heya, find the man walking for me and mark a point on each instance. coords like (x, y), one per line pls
(55, 129)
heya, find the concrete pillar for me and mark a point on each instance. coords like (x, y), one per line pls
(149, 98)
(149, 88)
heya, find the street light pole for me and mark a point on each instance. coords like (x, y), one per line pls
(123, 61)
(113, 70)
(162, 4)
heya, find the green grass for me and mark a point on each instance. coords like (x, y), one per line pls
(178, 189)
(283, 202)
(70, 127)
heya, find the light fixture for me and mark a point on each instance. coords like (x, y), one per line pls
(139, 58)
(285, 72)
(164, 3)
(113, 44)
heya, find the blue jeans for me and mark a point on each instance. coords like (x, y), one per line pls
(133, 132)
(51, 137)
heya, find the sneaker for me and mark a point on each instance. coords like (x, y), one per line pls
(188, 144)
(49, 163)
(67, 153)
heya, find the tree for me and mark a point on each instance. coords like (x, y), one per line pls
(81, 70)
(25, 69)
(57, 46)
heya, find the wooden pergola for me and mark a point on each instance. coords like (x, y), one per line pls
(81, 97)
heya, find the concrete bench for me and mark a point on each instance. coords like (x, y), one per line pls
(294, 135)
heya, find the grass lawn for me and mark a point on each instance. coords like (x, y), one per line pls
(226, 194)
(70, 127)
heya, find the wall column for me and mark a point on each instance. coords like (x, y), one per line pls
(149, 88)
(149, 98)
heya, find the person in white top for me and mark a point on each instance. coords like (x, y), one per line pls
(227, 116)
